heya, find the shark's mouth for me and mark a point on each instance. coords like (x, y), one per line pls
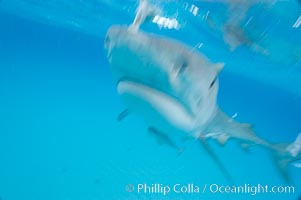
(143, 98)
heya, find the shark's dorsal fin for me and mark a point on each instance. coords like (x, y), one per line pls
(219, 66)
(145, 11)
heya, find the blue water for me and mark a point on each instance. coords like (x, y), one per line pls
(60, 140)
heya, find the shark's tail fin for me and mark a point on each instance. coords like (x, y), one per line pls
(223, 128)
(284, 154)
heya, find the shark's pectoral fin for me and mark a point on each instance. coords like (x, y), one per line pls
(123, 114)
(217, 161)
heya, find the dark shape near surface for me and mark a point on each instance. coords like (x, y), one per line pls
(122, 115)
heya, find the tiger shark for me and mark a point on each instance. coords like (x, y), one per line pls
(174, 88)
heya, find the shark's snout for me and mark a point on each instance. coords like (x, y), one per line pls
(111, 36)
(114, 35)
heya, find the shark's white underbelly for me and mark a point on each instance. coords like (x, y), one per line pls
(157, 107)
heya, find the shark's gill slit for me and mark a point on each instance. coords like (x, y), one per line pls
(212, 83)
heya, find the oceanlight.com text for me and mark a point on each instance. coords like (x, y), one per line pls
(191, 188)
(250, 189)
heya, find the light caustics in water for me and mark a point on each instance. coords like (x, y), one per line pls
(173, 23)
(297, 23)
(298, 165)
(257, 27)
(253, 23)
(166, 22)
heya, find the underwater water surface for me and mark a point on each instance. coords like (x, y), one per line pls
(59, 134)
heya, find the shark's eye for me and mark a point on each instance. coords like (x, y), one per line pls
(183, 67)
(213, 82)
